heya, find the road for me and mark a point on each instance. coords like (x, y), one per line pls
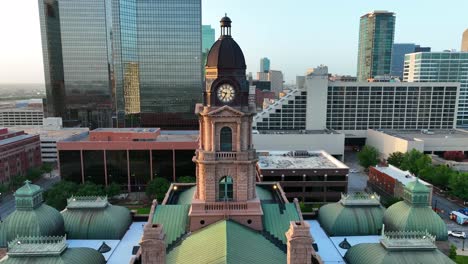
(357, 181)
(7, 205)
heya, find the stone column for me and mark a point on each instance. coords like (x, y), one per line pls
(152, 245)
(300, 250)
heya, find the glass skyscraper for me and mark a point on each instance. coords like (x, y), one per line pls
(107, 60)
(399, 51)
(264, 65)
(376, 33)
(208, 34)
(441, 67)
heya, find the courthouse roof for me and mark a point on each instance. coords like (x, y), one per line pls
(174, 219)
(226, 242)
(95, 218)
(354, 215)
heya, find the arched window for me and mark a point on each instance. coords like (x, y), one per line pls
(225, 189)
(226, 139)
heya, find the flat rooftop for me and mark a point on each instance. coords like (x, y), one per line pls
(280, 132)
(55, 135)
(14, 139)
(298, 160)
(121, 250)
(414, 135)
(402, 176)
(128, 129)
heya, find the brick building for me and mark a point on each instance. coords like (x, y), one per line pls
(18, 153)
(127, 156)
(389, 181)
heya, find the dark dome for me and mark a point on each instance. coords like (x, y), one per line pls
(225, 21)
(225, 53)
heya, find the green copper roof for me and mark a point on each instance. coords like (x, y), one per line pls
(417, 186)
(82, 221)
(185, 197)
(263, 194)
(376, 254)
(226, 242)
(403, 217)
(339, 220)
(28, 189)
(174, 219)
(70, 256)
(276, 221)
(41, 221)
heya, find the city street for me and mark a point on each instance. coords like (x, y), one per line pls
(357, 181)
(7, 205)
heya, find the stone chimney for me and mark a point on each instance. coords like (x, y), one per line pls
(300, 250)
(152, 245)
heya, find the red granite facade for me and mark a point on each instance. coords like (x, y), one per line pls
(18, 153)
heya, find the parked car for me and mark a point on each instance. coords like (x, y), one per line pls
(459, 234)
(353, 170)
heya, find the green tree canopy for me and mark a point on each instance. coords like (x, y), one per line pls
(187, 179)
(415, 161)
(157, 188)
(369, 156)
(46, 168)
(33, 174)
(90, 189)
(57, 195)
(459, 185)
(396, 158)
(113, 189)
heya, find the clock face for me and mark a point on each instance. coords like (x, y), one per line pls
(226, 93)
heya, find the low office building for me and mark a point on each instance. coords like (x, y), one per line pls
(310, 176)
(21, 117)
(389, 181)
(434, 141)
(50, 133)
(18, 153)
(354, 107)
(128, 156)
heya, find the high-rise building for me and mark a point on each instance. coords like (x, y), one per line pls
(264, 65)
(208, 37)
(376, 33)
(399, 51)
(464, 46)
(354, 107)
(441, 67)
(124, 57)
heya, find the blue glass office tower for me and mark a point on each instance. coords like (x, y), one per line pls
(108, 60)
(264, 65)
(376, 31)
(399, 51)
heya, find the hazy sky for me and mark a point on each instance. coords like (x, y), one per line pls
(294, 34)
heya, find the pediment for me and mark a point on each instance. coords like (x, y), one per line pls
(225, 111)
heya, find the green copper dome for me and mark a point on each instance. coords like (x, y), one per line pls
(95, 218)
(32, 217)
(376, 254)
(414, 213)
(402, 216)
(352, 216)
(28, 189)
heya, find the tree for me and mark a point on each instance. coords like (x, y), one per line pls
(90, 189)
(157, 188)
(186, 179)
(57, 195)
(454, 155)
(453, 252)
(369, 156)
(459, 185)
(16, 182)
(33, 174)
(113, 189)
(46, 168)
(396, 158)
(415, 161)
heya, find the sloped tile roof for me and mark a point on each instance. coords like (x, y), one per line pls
(276, 219)
(226, 242)
(174, 219)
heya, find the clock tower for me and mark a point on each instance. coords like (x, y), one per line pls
(226, 160)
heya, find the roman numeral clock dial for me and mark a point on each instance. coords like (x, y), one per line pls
(226, 93)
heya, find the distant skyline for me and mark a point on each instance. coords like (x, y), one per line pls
(294, 35)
